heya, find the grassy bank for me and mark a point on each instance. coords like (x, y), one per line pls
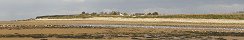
(197, 16)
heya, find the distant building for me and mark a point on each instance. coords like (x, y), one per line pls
(121, 14)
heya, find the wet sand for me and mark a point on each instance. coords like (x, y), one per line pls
(11, 30)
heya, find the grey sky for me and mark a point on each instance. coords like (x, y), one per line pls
(22, 9)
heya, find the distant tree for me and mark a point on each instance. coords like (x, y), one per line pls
(139, 14)
(125, 13)
(114, 13)
(117, 13)
(102, 13)
(83, 13)
(105, 13)
(149, 13)
(155, 13)
(94, 13)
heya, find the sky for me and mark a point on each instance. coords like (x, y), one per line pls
(24, 9)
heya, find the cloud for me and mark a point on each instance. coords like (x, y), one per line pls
(73, 0)
(224, 6)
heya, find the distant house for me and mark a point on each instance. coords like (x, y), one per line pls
(121, 14)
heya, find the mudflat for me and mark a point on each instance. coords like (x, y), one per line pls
(53, 30)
